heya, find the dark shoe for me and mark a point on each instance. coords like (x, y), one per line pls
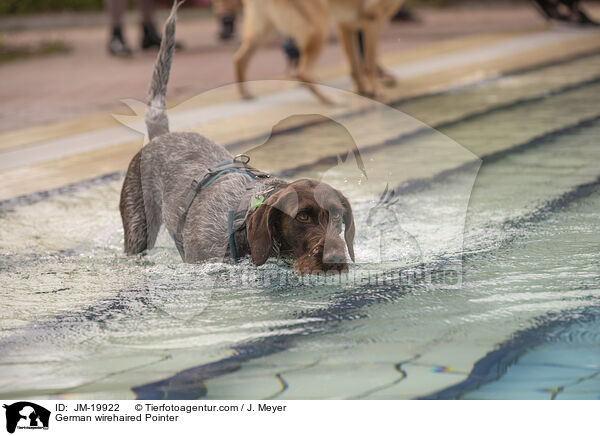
(150, 37)
(548, 9)
(404, 14)
(582, 18)
(117, 45)
(227, 27)
(292, 53)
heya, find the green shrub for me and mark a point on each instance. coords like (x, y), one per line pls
(10, 52)
(31, 6)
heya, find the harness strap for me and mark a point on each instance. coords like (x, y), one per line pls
(209, 176)
(231, 232)
(236, 220)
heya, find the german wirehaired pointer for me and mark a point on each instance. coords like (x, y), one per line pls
(216, 206)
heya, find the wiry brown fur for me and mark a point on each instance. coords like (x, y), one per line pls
(314, 245)
(160, 175)
(132, 210)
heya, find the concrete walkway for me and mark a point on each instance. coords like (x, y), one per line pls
(55, 120)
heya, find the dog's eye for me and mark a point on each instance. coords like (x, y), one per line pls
(336, 216)
(303, 217)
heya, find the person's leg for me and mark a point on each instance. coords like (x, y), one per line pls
(150, 36)
(117, 45)
(146, 10)
(115, 9)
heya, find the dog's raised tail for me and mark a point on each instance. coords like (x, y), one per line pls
(157, 121)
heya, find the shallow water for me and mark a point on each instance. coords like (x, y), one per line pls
(445, 277)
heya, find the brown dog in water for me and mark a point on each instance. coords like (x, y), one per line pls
(215, 205)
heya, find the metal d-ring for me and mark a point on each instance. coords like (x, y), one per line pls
(242, 158)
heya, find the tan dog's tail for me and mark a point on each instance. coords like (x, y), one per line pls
(157, 121)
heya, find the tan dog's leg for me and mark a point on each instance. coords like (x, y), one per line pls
(257, 29)
(370, 44)
(387, 78)
(388, 9)
(349, 42)
(309, 54)
(307, 23)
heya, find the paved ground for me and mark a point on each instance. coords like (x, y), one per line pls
(56, 126)
(88, 80)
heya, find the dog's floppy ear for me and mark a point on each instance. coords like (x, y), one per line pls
(259, 232)
(348, 224)
(261, 224)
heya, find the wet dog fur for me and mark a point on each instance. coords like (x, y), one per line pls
(301, 220)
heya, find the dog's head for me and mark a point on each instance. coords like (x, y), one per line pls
(303, 220)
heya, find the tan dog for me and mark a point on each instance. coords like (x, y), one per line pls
(307, 22)
(369, 17)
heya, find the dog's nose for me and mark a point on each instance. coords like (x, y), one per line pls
(334, 257)
(334, 249)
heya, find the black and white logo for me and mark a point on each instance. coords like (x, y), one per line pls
(26, 415)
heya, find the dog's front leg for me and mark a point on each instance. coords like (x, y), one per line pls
(349, 42)
(370, 44)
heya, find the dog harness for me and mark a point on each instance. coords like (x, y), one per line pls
(235, 219)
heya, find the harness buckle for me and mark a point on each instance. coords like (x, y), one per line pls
(242, 158)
